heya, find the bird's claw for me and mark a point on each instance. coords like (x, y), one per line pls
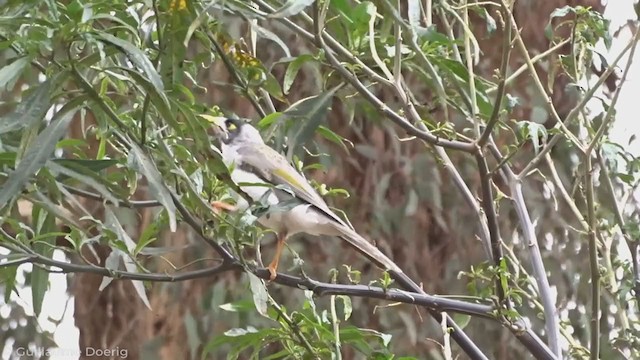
(272, 273)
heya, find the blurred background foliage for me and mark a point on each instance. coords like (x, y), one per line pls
(101, 104)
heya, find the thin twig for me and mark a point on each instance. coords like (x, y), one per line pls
(588, 95)
(502, 84)
(492, 221)
(594, 266)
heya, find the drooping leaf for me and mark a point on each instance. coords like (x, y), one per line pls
(137, 57)
(35, 157)
(30, 110)
(10, 73)
(92, 165)
(112, 223)
(112, 262)
(314, 110)
(533, 131)
(559, 12)
(260, 295)
(348, 308)
(84, 176)
(267, 34)
(44, 247)
(140, 162)
(157, 96)
(489, 20)
(293, 69)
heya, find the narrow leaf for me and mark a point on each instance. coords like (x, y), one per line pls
(112, 262)
(143, 165)
(35, 157)
(314, 109)
(30, 110)
(260, 295)
(85, 179)
(292, 71)
(137, 57)
(267, 34)
(10, 73)
(40, 277)
(113, 224)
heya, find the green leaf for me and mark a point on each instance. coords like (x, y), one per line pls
(269, 119)
(333, 137)
(112, 223)
(76, 172)
(290, 8)
(158, 97)
(559, 12)
(293, 69)
(489, 20)
(272, 86)
(462, 320)
(260, 294)
(348, 308)
(314, 109)
(10, 73)
(139, 161)
(112, 262)
(147, 237)
(241, 306)
(264, 33)
(8, 281)
(35, 157)
(44, 246)
(30, 110)
(137, 57)
(240, 331)
(92, 165)
(532, 131)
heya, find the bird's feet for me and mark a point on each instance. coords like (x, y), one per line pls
(219, 206)
(272, 272)
(273, 266)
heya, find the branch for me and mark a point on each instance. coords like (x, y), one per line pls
(502, 85)
(318, 288)
(197, 227)
(492, 222)
(594, 347)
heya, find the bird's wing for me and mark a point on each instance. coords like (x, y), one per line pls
(273, 167)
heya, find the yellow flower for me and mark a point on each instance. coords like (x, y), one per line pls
(177, 5)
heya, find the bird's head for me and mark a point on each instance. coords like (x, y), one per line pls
(234, 131)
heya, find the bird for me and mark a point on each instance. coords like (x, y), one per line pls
(294, 206)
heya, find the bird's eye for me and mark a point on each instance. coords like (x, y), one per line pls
(231, 126)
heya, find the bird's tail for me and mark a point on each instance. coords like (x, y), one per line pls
(367, 249)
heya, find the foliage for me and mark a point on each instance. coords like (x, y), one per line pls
(106, 154)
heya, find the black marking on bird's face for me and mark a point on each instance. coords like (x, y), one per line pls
(233, 127)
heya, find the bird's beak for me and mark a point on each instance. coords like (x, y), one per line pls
(218, 128)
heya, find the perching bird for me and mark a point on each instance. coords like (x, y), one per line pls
(301, 209)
